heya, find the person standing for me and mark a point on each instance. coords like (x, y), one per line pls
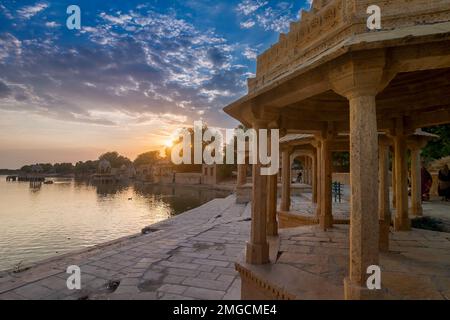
(427, 182)
(444, 183)
(299, 177)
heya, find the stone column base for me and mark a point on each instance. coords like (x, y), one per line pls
(354, 291)
(317, 213)
(417, 212)
(257, 253)
(402, 224)
(326, 222)
(272, 228)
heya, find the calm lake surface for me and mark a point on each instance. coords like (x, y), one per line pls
(38, 223)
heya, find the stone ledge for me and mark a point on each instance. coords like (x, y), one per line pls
(284, 282)
(298, 219)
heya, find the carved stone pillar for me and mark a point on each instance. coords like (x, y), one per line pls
(272, 186)
(402, 221)
(394, 182)
(272, 224)
(364, 225)
(309, 171)
(286, 181)
(326, 216)
(258, 248)
(416, 182)
(241, 175)
(383, 196)
(314, 179)
(319, 179)
(359, 79)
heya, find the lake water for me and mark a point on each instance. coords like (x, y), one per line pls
(38, 223)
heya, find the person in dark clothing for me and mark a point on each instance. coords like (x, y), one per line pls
(427, 182)
(444, 183)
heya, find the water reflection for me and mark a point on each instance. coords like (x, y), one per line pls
(35, 186)
(180, 199)
(110, 189)
(40, 222)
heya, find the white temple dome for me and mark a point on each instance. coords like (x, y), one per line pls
(104, 166)
(36, 169)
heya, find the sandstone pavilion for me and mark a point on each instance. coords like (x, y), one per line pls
(331, 84)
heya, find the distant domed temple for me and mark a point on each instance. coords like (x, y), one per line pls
(104, 174)
(104, 167)
(36, 169)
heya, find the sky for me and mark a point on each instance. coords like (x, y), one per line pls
(133, 74)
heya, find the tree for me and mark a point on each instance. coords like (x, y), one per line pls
(63, 168)
(88, 167)
(341, 160)
(439, 148)
(26, 169)
(46, 167)
(183, 168)
(115, 159)
(147, 158)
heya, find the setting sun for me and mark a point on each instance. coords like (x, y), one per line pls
(169, 143)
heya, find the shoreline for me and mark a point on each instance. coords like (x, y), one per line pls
(190, 256)
(20, 267)
(218, 186)
(101, 246)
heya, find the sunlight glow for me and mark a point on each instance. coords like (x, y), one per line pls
(169, 143)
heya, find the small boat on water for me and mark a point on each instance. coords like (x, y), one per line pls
(48, 182)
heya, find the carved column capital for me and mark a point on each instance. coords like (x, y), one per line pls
(288, 150)
(416, 142)
(384, 141)
(283, 132)
(360, 74)
(260, 124)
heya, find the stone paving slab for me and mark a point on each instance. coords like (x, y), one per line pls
(303, 205)
(188, 257)
(415, 270)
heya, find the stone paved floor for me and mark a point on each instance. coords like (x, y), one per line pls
(435, 208)
(190, 257)
(311, 264)
(439, 210)
(303, 205)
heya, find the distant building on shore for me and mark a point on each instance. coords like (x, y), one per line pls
(105, 174)
(160, 172)
(37, 169)
(127, 172)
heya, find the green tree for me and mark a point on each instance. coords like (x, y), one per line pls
(46, 167)
(147, 158)
(189, 167)
(63, 168)
(341, 160)
(26, 169)
(88, 167)
(438, 148)
(115, 159)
